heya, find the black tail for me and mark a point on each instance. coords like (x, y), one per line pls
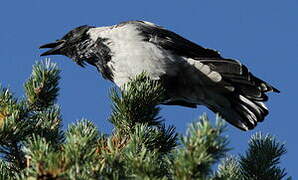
(242, 112)
(250, 111)
(245, 107)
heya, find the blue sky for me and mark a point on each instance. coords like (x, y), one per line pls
(262, 34)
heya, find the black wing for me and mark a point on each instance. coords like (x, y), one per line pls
(232, 71)
(247, 91)
(173, 42)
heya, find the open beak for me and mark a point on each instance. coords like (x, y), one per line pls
(55, 48)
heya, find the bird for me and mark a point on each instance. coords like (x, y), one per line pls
(192, 75)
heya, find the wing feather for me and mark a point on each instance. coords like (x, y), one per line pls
(173, 42)
(247, 92)
(231, 70)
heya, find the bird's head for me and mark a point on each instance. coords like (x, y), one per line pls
(72, 45)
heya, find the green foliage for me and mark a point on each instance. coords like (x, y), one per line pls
(5, 171)
(263, 149)
(42, 87)
(204, 145)
(33, 145)
(229, 169)
(136, 103)
(20, 119)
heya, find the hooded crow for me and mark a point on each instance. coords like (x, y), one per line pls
(192, 75)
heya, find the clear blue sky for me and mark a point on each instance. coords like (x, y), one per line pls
(262, 34)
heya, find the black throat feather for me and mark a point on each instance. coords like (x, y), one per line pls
(95, 53)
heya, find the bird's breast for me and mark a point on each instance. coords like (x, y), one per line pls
(131, 55)
(132, 58)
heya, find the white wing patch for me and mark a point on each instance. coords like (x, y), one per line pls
(213, 75)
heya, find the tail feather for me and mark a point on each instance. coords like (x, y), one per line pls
(247, 117)
(251, 110)
(258, 108)
(242, 112)
(232, 91)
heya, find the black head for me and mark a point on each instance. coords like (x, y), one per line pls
(68, 44)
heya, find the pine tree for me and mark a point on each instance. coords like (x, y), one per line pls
(34, 146)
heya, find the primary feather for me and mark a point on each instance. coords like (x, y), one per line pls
(191, 74)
